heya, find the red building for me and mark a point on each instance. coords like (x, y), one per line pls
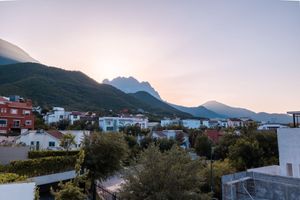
(15, 115)
(214, 135)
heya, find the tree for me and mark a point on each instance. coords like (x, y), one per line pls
(193, 134)
(245, 154)
(69, 191)
(165, 144)
(67, 141)
(222, 149)
(169, 175)
(220, 168)
(203, 146)
(104, 154)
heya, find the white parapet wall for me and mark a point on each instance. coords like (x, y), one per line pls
(289, 151)
(17, 191)
(53, 178)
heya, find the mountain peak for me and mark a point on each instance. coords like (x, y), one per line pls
(10, 54)
(132, 85)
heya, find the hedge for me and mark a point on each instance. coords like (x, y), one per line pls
(10, 178)
(42, 166)
(42, 154)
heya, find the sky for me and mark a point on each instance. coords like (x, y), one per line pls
(243, 53)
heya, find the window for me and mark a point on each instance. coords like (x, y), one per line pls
(289, 169)
(3, 110)
(28, 122)
(51, 144)
(16, 124)
(32, 143)
(13, 111)
(3, 122)
(26, 112)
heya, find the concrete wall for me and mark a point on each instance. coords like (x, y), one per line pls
(260, 186)
(8, 154)
(53, 178)
(17, 191)
(289, 150)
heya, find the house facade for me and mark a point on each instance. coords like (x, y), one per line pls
(191, 123)
(170, 122)
(57, 114)
(15, 115)
(172, 134)
(114, 124)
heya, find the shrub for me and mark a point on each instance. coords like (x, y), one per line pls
(10, 177)
(42, 154)
(42, 166)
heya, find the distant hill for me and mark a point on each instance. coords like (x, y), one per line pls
(229, 111)
(132, 85)
(10, 53)
(158, 106)
(199, 111)
(50, 86)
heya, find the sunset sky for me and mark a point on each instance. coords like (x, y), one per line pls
(244, 53)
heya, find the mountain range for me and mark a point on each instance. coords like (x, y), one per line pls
(49, 86)
(210, 109)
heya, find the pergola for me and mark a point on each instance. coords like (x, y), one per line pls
(296, 116)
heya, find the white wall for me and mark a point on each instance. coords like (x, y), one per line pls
(17, 191)
(289, 150)
(191, 123)
(42, 137)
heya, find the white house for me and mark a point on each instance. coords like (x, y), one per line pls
(169, 122)
(223, 123)
(75, 116)
(191, 123)
(171, 134)
(57, 114)
(40, 139)
(235, 122)
(114, 124)
(271, 126)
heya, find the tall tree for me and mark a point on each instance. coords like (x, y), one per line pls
(203, 146)
(169, 175)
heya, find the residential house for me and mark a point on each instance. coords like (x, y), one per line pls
(271, 126)
(235, 123)
(57, 114)
(213, 123)
(170, 122)
(114, 124)
(75, 116)
(205, 122)
(191, 123)
(172, 134)
(214, 135)
(15, 115)
(223, 123)
(41, 140)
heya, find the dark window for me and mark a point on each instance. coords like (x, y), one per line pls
(51, 144)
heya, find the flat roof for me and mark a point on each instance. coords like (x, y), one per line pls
(293, 112)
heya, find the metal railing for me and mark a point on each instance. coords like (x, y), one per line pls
(106, 194)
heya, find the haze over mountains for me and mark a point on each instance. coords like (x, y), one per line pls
(10, 54)
(50, 86)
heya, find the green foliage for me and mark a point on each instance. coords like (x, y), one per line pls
(220, 168)
(11, 177)
(170, 175)
(104, 154)
(145, 142)
(245, 154)
(73, 90)
(193, 134)
(222, 148)
(165, 144)
(42, 166)
(42, 154)
(69, 191)
(203, 146)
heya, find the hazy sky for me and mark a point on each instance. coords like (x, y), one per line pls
(240, 52)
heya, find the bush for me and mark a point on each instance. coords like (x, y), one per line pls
(10, 177)
(42, 154)
(42, 166)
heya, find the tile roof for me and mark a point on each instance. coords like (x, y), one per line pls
(56, 134)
